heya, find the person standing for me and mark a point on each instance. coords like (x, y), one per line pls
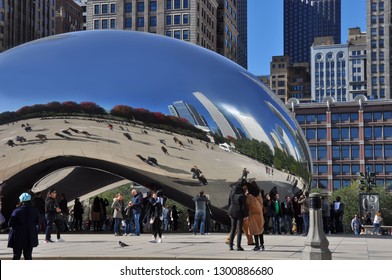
(356, 225)
(117, 213)
(136, 210)
(254, 202)
(23, 224)
(297, 215)
(63, 205)
(377, 223)
(156, 217)
(200, 212)
(276, 210)
(51, 211)
(304, 201)
(237, 212)
(326, 211)
(287, 211)
(338, 213)
(96, 211)
(78, 214)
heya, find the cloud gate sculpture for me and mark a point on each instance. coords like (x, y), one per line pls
(84, 110)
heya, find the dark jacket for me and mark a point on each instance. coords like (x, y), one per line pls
(287, 208)
(156, 210)
(273, 208)
(50, 207)
(137, 204)
(24, 227)
(237, 203)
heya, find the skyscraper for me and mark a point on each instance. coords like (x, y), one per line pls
(242, 27)
(193, 21)
(23, 21)
(304, 20)
(378, 41)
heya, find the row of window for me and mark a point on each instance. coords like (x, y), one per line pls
(352, 133)
(177, 4)
(330, 56)
(105, 23)
(381, 56)
(179, 34)
(380, 6)
(177, 19)
(104, 9)
(345, 117)
(351, 152)
(351, 169)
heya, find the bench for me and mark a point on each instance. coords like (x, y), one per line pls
(384, 229)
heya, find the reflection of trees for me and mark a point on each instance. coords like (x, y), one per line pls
(153, 119)
(158, 120)
(262, 152)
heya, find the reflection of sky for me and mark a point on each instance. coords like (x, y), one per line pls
(138, 69)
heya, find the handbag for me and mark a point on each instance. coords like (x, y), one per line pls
(152, 220)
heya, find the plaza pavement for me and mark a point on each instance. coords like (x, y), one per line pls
(209, 247)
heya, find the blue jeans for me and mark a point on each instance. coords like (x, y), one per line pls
(202, 216)
(117, 224)
(305, 217)
(287, 223)
(136, 220)
(276, 222)
(376, 228)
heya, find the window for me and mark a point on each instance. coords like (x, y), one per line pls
(345, 152)
(177, 4)
(311, 119)
(177, 19)
(300, 118)
(169, 20)
(168, 33)
(322, 152)
(355, 169)
(335, 134)
(169, 4)
(387, 132)
(380, 6)
(322, 169)
(346, 169)
(185, 35)
(177, 34)
(355, 152)
(378, 151)
(153, 21)
(185, 18)
(335, 152)
(97, 9)
(388, 151)
(345, 133)
(321, 118)
(311, 134)
(105, 24)
(113, 8)
(153, 6)
(374, 7)
(185, 4)
(140, 8)
(368, 151)
(337, 184)
(105, 8)
(313, 151)
(96, 24)
(140, 22)
(336, 169)
(354, 117)
(379, 168)
(128, 23)
(377, 130)
(321, 134)
(128, 7)
(112, 23)
(354, 133)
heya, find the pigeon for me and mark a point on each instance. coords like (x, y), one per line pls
(122, 244)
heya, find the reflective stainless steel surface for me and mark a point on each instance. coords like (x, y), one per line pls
(145, 72)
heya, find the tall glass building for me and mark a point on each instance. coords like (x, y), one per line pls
(305, 20)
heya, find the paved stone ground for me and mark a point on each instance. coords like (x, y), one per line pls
(186, 246)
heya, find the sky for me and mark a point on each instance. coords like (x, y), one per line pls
(265, 29)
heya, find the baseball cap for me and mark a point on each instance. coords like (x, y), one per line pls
(24, 197)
